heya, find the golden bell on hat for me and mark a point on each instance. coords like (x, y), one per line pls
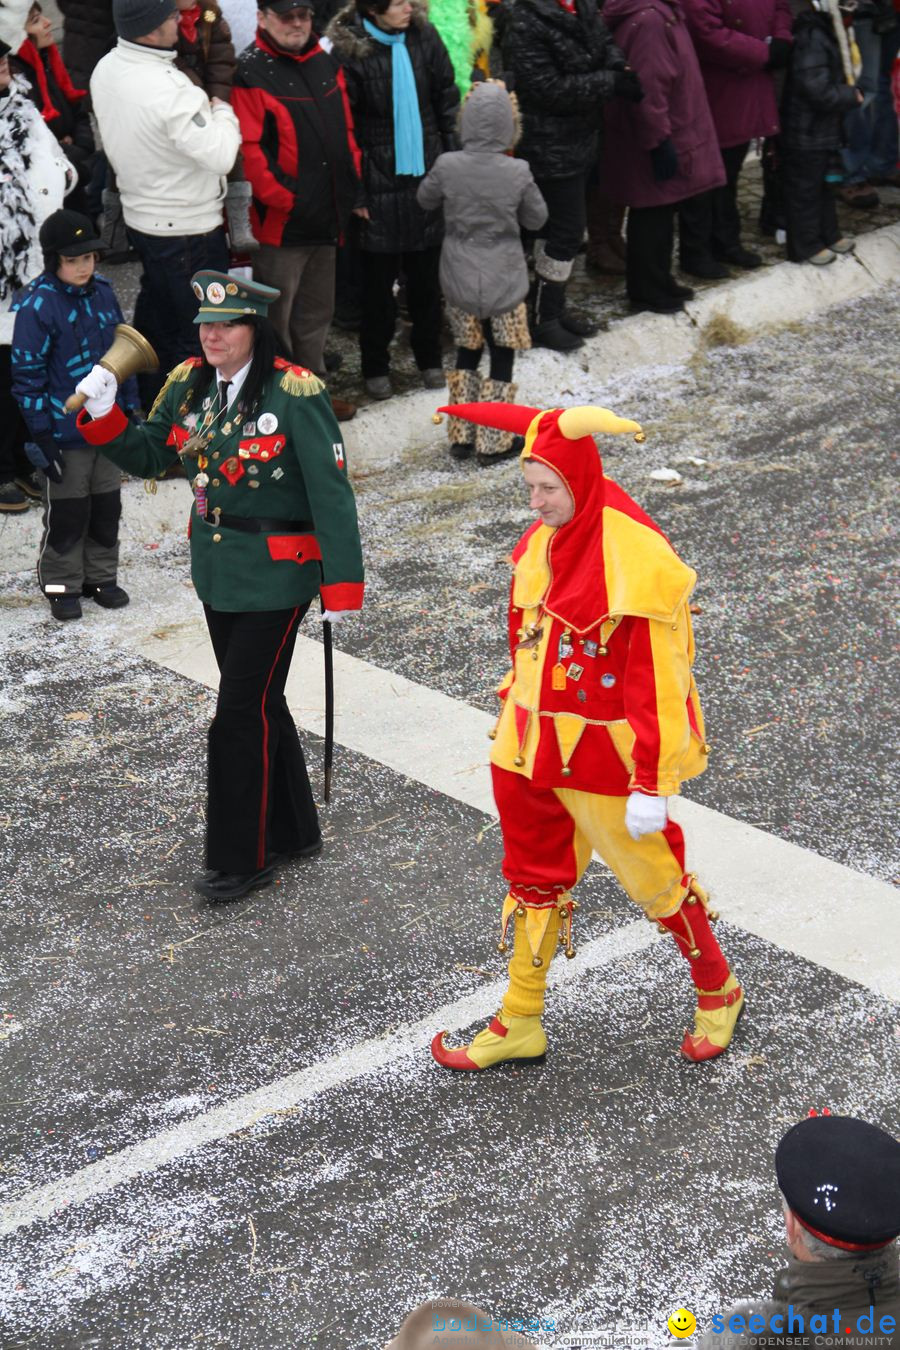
(130, 353)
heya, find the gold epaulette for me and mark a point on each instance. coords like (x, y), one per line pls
(298, 380)
(179, 375)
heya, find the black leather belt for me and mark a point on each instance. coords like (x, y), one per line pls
(259, 524)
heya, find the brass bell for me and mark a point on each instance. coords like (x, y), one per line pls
(640, 437)
(603, 651)
(520, 913)
(661, 927)
(436, 419)
(705, 749)
(695, 952)
(519, 761)
(570, 952)
(537, 961)
(129, 353)
(566, 771)
(576, 905)
(690, 898)
(712, 915)
(502, 947)
(492, 734)
(562, 939)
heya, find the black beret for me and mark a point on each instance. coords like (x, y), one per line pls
(841, 1177)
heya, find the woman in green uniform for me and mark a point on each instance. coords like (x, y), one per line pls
(273, 523)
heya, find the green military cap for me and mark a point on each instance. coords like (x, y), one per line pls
(223, 297)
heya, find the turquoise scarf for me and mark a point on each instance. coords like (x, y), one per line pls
(409, 144)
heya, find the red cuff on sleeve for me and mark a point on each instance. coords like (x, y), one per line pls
(102, 430)
(343, 595)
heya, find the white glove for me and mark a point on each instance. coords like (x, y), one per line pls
(99, 388)
(645, 815)
(334, 616)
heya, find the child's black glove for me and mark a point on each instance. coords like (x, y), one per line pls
(779, 51)
(627, 85)
(664, 158)
(45, 454)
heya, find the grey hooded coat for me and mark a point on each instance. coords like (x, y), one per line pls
(487, 198)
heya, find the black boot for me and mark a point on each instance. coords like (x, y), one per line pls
(547, 329)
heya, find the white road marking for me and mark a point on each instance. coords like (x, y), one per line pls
(781, 892)
(788, 895)
(348, 1065)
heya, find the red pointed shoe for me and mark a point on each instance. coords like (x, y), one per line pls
(718, 1011)
(522, 1040)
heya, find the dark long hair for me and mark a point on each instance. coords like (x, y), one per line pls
(266, 346)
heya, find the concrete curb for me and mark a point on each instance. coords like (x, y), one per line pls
(382, 434)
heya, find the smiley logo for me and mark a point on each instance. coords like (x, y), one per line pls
(682, 1324)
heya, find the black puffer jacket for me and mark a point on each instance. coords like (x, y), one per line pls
(816, 95)
(397, 223)
(561, 66)
(89, 34)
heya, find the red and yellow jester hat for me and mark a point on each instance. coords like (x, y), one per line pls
(610, 544)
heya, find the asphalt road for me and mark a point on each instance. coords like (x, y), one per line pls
(249, 1142)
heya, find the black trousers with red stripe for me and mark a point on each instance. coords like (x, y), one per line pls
(260, 800)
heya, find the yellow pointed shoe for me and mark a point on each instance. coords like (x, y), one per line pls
(523, 1040)
(716, 1017)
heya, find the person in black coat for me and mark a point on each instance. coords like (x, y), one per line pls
(814, 104)
(562, 63)
(88, 34)
(396, 232)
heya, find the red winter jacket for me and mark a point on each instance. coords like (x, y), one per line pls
(300, 153)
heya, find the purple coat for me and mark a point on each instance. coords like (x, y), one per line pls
(654, 37)
(730, 37)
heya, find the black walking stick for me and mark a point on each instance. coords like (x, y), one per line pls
(329, 704)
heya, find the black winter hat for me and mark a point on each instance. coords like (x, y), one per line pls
(841, 1177)
(68, 233)
(136, 18)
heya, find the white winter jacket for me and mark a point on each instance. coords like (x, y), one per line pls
(169, 148)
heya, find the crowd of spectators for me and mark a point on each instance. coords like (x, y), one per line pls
(302, 155)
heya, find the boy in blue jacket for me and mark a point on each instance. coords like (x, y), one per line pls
(65, 321)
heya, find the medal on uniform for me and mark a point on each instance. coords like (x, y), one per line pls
(199, 485)
(565, 645)
(558, 677)
(590, 648)
(575, 672)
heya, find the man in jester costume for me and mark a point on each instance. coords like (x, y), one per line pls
(600, 725)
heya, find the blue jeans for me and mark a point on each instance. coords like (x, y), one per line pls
(166, 306)
(872, 128)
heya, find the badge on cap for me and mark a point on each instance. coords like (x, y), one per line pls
(197, 289)
(267, 423)
(215, 292)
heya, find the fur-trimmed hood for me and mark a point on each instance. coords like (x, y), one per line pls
(489, 118)
(350, 40)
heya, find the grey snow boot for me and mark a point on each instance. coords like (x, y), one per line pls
(237, 215)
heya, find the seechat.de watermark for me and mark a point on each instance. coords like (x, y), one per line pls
(814, 1329)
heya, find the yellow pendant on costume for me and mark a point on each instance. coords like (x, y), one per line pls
(568, 728)
(536, 922)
